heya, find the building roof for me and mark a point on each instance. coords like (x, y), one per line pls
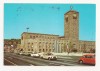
(86, 41)
(71, 11)
(39, 34)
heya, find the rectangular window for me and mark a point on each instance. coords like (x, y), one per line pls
(33, 37)
(28, 49)
(39, 50)
(32, 49)
(30, 36)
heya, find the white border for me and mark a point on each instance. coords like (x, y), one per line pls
(49, 1)
(1, 33)
(50, 68)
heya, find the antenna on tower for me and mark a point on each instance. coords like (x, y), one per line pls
(71, 7)
(27, 29)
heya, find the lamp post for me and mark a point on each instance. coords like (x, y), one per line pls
(27, 45)
(27, 29)
(11, 48)
(32, 48)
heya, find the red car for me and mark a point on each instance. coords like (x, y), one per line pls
(87, 59)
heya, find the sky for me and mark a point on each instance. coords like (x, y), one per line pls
(47, 19)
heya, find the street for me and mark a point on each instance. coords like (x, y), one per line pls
(12, 59)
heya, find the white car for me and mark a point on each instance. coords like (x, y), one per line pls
(21, 53)
(49, 56)
(25, 53)
(41, 54)
(35, 54)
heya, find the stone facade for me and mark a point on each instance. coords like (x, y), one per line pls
(11, 44)
(36, 42)
(71, 27)
(86, 46)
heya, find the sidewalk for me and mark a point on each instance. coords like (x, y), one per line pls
(70, 54)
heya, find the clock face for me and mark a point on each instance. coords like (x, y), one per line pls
(74, 15)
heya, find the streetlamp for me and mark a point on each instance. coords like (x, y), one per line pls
(12, 48)
(32, 48)
(27, 29)
(53, 49)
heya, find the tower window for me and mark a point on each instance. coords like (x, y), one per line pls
(66, 19)
(30, 36)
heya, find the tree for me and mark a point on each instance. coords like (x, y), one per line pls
(65, 49)
(69, 48)
(92, 50)
(74, 50)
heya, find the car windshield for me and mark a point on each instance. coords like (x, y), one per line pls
(49, 54)
(89, 56)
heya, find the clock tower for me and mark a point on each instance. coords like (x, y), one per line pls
(71, 27)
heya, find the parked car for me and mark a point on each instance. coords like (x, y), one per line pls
(25, 53)
(34, 54)
(21, 53)
(49, 56)
(41, 54)
(87, 59)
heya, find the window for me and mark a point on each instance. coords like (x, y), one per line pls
(46, 49)
(32, 43)
(89, 56)
(43, 50)
(50, 50)
(28, 49)
(30, 36)
(33, 37)
(66, 19)
(39, 50)
(32, 49)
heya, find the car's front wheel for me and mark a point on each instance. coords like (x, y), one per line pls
(41, 57)
(81, 62)
(49, 58)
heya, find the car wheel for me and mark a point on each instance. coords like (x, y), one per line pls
(41, 57)
(49, 58)
(81, 62)
(55, 59)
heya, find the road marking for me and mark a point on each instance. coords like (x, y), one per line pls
(66, 57)
(10, 57)
(10, 62)
(62, 65)
(51, 63)
(31, 65)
